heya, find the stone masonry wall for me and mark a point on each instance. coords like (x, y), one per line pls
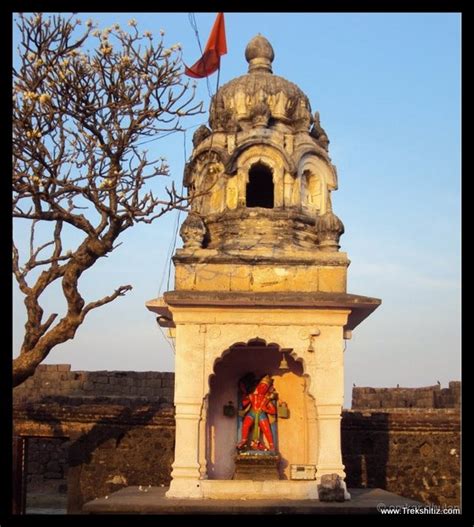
(58, 380)
(425, 397)
(414, 452)
(411, 452)
(55, 384)
(115, 455)
(47, 465)
(109, 445)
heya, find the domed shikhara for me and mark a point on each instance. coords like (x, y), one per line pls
(260, 175)
(259, 98)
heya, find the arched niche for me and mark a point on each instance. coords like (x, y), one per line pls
(209, 185)
(270, 157)
(260, 189)
(295, 434)
(317, 180)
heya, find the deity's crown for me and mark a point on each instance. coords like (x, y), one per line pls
(266, 380)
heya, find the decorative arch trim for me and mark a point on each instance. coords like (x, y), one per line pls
(320, 165)
(189, 169)
(255, 342)
(232, 164)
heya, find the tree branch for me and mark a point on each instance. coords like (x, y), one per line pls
(81, 113)
(107, 299)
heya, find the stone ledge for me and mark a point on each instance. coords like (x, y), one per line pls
(152, 500)
(261, 257)
(361, 306)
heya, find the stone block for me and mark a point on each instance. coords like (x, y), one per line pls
(53, 466)
(257, 467)
(239, 278)
(333, 279)
(34, 467)
(102, 379)
(168, 395)
(184, 277)
(75, 385)
(331, 488)
(168, 382)
(53, 475)
(153, 383)
(210, 277)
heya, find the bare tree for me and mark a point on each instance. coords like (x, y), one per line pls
(80, 117)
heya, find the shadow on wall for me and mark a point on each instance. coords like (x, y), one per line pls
(123, 446)
(412, 452)
(365, 451)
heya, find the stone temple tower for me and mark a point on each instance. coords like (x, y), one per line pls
(260, 289)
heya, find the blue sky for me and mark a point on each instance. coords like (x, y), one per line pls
(387, 87)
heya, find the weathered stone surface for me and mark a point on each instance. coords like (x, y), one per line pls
(192, 232)
(260, 177)
(331, 488)
(132, 500)
(259, 92)
(109, 445)
(329, 228)
(422, 397)
(257, 467)
(49, 380)
(318, 132)
(412, 452)
(360, 306)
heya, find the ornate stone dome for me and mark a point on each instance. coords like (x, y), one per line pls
(259, 98)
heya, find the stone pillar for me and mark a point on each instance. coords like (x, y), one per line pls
(330, 456)
(188, 400)
(326, 369)
(329, 424)
(186, 474)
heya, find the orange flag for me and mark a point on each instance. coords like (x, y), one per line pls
(211, 58)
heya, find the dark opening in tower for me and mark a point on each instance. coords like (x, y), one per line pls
(260, 187)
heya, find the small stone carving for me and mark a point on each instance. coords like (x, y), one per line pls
(223, 119)
(200, 134)
(318, 132)
(331, 488)
(260, 114)
(192, 232)
(302, 118)
(329, 228)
